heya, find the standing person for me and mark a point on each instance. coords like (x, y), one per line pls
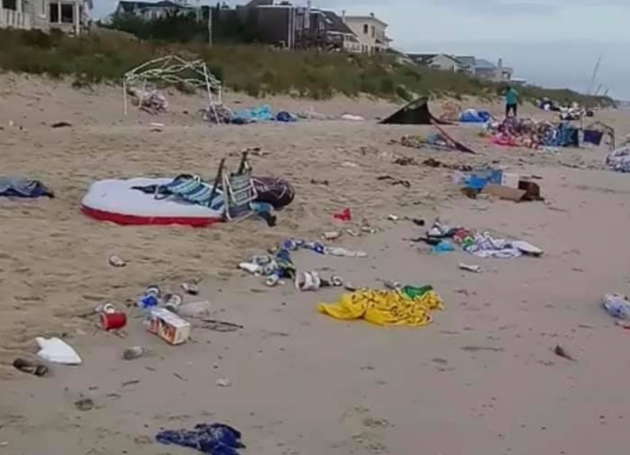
(511, 101)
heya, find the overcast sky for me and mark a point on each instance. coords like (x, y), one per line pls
(548, 42)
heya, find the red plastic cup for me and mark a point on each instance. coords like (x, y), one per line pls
(113, 321)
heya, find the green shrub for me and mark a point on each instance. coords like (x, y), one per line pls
(254, 69)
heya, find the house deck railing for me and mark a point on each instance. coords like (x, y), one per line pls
(14, 19)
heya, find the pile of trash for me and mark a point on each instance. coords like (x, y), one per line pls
(521, 132)
(480, 244)
(258, 114)
(152, 101)
(277, 265)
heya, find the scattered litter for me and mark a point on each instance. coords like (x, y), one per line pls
(560, 352)
(84, 404)
(617, 306)
(418, 222)
(444, 246)
(224, 382)
(113, 320)
(150, 298)
(211, 439)
(172, 302)
(307, 281)
(190, 289)
(470, 268)
(56, 350)
(168, 326)
(21, 187)
(320, 182)
(115, 261)
(345, 215)
(352, 118)
(105, 308)
(619, 160)
(331, 235)
(394, 218)
(28, 366)
(349, 164)
(61, 125)
(130, 382)
(409, 306)
(482, 245)
(134, 352)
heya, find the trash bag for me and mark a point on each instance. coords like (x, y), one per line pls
(275, 191)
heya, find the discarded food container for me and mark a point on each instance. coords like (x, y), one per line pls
(168, 326)
(307, 281)
(113, 321)
(510, 179)
(617, 306)
(134, 352)
(173, 302)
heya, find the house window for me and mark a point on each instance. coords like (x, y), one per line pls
(373, 31)
(67, 13)
(365, 29)
(61, 13)
(9, 4)
(53, 13)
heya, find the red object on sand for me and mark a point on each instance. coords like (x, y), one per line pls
(344, 215)
(113, 321)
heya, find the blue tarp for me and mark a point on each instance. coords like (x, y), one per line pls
(19, 187)
(473, 116)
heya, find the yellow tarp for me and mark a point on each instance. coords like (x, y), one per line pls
(388, 308)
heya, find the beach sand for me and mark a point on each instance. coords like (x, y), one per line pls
(483, 378)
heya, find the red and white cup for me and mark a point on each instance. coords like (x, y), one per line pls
(113, 321)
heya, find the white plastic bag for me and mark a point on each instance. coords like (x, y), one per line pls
(57, 351)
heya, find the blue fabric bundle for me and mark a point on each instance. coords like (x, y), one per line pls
(211, 439)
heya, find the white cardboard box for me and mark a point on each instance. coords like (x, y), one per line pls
(168, 326)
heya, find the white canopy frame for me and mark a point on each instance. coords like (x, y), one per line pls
(173, 69)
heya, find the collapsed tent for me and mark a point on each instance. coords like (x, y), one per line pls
(20, 187)
(415, 113)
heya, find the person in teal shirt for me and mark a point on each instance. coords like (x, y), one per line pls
(511, 101)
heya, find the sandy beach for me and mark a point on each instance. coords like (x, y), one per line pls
(481, 379)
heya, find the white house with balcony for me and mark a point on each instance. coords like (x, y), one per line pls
(69, 16)
(370, 33)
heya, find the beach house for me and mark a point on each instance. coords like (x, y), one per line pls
(370, 32)
(69, 16)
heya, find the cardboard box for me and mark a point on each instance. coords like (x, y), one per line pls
(169, 326)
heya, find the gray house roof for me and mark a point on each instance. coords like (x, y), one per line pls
(483, 64)
(336, 24)
(425, 59)
(129, 7)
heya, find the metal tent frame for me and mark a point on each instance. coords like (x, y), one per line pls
(173, 69)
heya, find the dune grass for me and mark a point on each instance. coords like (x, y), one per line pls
(254, 69)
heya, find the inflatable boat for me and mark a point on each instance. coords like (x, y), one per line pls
(119, 201)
